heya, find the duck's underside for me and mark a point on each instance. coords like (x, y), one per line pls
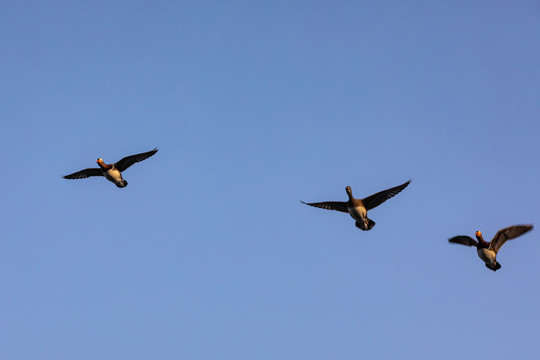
(362, 226)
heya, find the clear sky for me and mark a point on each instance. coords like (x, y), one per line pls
(254, 106)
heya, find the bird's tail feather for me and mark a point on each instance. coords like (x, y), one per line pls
(495, 267)
(361, 226)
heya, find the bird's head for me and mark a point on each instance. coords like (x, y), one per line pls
(101, 163)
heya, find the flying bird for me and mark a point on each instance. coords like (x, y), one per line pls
(487, 251)
(358, 208)
(112, 172)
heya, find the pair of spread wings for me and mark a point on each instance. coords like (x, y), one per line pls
(120, 166)
(369, 203)
(499, 239)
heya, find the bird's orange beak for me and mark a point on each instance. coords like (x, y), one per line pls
(478, 233)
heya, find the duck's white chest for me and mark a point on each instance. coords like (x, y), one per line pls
(357, 212)
(114, 175)
(488, 256)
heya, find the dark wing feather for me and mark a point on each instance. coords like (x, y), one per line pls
(330, 205)
(377, 199)
(463, 240)
(508, 233)
(83, 174)
(132, 159)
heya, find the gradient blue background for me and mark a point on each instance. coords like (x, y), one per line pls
(208, 253)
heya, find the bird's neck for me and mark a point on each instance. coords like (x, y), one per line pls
(104, 166)
(481, 242)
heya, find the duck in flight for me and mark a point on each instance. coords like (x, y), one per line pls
(487, 251)
(358, 208)
(112, 172)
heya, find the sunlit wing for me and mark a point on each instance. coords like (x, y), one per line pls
(508, 233)
(377, 199)
(132, 159)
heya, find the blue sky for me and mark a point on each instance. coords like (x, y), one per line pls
(208, 253)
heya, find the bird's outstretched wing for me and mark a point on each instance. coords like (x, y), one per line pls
(377, 199)
(330, 205)
(83, 174)
(508, 233)
(463, 240)
(132, 159)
